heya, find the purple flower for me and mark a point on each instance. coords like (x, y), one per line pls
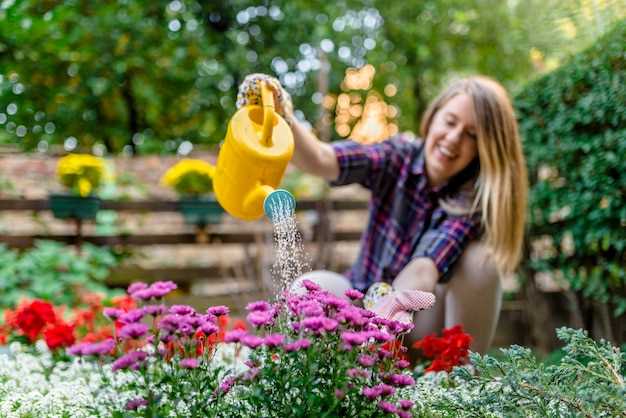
(340, 394)
(311, 308)
(310, 286)
(314, 323)
(162, 288)
(298, 345)
(218, 310)
(381, 336)
(226, 385)
(261, 318)
(154, 310)
(400, 380)
(333, 301)
(134, 287)
(112, 313)
(304, 343)
(252, 341)
(330, 324)
(385, 390)
(251, 374)
(354, 294)
(208, 328)
(352, 338)
(371, 393)
(404, 414)
(234, 336)
(92, 349)
(130, 331)
(132, 316)
(383, 354)
(366, 361)
(274, 340)
(259, 305)
(387, 407)
(397, 327)
(351, 315)
(143, 294)
(189, 363)
(402, 364)
(131, 360)
(172, 322)
(181, 309)
(156, 290)
(134, 404)
(355, 372)
(186, 328)
(406, 404)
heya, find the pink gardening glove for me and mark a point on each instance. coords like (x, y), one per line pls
(399, 305)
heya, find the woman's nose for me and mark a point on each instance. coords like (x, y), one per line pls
(454, 135)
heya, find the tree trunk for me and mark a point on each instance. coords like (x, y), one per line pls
(133, 115)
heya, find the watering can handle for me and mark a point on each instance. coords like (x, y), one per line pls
(267, 99)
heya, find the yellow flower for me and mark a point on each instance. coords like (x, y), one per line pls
(84, 187)
(81, 173)
(190, 177)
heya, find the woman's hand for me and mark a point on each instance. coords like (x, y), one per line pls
(250, 94)
(399, 305)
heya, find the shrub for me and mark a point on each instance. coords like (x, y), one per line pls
(573, 122)
(53, 272)
(588, 381)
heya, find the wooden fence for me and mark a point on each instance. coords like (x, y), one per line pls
(518, 323)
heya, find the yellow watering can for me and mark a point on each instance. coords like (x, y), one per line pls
(252, 161)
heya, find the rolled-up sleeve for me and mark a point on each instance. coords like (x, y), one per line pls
(366, 164)
(445, 242)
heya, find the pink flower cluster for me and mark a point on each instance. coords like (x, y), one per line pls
(321, 321)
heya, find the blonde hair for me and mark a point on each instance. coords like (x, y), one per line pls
(500, 188)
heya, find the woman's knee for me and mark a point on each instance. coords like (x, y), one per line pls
(476, 269)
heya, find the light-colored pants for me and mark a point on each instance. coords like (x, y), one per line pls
(472, 297)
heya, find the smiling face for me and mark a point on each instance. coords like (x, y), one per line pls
(451, 140)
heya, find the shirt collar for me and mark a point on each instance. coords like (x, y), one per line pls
(419, 168)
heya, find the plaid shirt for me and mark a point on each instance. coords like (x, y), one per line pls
(405, 219)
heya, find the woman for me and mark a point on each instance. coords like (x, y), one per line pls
(446, 214)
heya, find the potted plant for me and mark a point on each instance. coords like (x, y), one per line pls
(81, 175)
(192, 180)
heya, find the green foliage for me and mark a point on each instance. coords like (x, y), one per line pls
(587, 382)
(147, 76)
(54, 272)
(574, 126)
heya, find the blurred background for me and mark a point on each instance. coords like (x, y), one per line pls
(145, 83)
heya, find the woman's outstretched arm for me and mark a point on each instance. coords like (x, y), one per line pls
(420, 274)
(312, 155)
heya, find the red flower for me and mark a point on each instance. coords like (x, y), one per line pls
(33, 317)
(447, 351)
(98, 335)
(124, 302)
(4, 335)
(431, 346)
(59, 335)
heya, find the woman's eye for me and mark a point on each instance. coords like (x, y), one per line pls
(450, 123)
(472, 135)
